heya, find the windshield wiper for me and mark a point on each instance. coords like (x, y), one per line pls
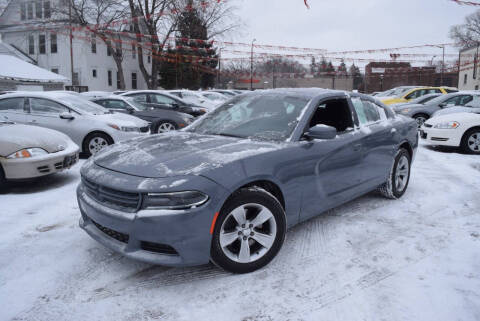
(227, 135)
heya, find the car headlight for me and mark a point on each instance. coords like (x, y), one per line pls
(125, 128)
(447, 125)
(28, 152)
(175, 200)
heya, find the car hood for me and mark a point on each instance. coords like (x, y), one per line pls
(121, 120)
(178, 153)
(454, 110)
(14, 137)
(398, 107)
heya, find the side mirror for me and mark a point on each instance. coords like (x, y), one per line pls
(66, 115)
(321, 132)
(175, 105)
(130, 110)
(442, 105)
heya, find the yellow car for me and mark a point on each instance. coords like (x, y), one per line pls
(416, 92)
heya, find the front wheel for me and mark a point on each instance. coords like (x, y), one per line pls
(249, 231)
(95, 142)
(471, 141)
(399, 177)
(164, 127)
(420, 119)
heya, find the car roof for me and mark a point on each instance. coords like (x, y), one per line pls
(39, 94)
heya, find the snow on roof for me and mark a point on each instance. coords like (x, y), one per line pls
(6, 49)
(14, 68)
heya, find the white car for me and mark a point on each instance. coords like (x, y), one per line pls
(89, 125)
(31, 151)
(216, 98)
(457, 130)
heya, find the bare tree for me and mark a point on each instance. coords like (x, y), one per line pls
(99, 17)
(468, 33)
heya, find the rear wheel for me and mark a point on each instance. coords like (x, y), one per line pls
(95, 142)
(165, 126)
(420, 119)
(249, 231)
(471, 141)
(3, 181)
(397, 182)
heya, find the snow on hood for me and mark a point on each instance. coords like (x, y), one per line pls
(14, 137)
(456, 109)
(122, 120)
(458, 116)
(398, 107)
(178, 153)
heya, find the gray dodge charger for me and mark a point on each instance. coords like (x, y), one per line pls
(227, 188)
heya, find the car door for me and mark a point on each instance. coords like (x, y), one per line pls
(13, 109)
(332, 168)
(47, 113)
(378, 142)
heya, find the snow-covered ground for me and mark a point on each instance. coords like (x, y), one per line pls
(417, 258)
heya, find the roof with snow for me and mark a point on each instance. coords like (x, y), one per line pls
(6, 49)
(16, 69)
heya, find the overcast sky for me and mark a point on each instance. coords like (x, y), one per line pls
(350, 24)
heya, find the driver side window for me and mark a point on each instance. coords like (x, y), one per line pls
(160, 99)
(45, 106)
(335, 113)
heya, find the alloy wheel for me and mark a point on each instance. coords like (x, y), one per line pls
(165, 127)
(420, 120)
(248, 233)
(96, 144)
(401, 173)
(474, 142)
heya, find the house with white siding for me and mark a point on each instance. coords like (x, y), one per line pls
(30, 27)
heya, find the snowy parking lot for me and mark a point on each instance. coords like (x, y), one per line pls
(417, 258)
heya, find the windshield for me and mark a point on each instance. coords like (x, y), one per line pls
(83, 104)
(136, 104)
(269, 117)
(440, 99)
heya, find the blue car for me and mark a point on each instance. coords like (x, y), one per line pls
(226, 188)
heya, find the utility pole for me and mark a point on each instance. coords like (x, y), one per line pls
(443, 65)
(251, 66)
(219, 66)
(71, 37)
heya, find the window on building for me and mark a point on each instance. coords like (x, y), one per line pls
(118, 48)
(109, 49)
(76, 79)
(149, 58)
(53, 43)
(94, 73)
(46, 9)
(118, 80)
(476, 87)
(465, 79)
(110, 78)
(41, 44)
(134, 80)
(38, 9)
(94, 43)
(23, 11)
(31, 45)
(134, 51)
(30, 10)
(55, 70)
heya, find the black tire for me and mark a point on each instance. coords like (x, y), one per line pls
(161, 123)
(420, 119)
(249, 196)
(3, 181)
(390, 189)
(465, 146)
(90, 137)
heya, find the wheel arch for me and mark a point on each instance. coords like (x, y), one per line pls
(406, 145)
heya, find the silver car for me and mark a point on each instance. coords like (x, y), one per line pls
(422, 112)
(89, 125)
(31, 151)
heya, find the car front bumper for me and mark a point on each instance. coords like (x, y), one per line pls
(163, 237)
(441, 137)
(25, 168)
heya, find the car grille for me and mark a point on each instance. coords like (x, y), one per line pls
(439, 139)
(112, 233)
(43, 169)
(112, 198)
(144, 129)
